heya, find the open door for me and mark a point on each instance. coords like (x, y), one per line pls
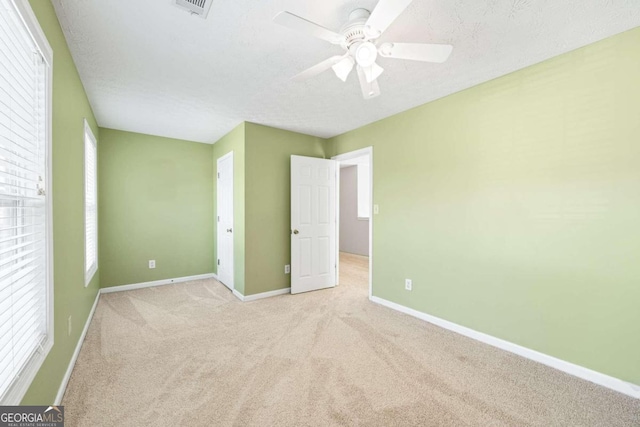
(225, 219)
(313, 224)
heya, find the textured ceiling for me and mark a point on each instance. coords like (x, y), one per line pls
(149, 67)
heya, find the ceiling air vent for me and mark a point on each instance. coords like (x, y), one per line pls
(196, 7)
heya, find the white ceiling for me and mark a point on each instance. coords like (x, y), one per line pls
(149, 67)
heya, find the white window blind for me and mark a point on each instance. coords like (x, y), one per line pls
(24, 277)
(90, 203)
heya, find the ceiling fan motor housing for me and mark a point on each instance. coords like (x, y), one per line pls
(353, 30)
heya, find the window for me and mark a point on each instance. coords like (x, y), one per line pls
(90, 204)
(364, 198)
(26, 280)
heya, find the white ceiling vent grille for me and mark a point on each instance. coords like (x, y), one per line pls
(195, 7)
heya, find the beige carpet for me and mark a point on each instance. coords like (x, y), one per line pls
(193, 355)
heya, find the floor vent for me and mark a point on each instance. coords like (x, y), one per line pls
(196, 7)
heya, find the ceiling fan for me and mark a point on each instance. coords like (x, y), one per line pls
(358, 37)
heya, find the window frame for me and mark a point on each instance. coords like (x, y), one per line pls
(89, 274)
(16, 391)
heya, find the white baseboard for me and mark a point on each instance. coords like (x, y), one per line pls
(157, 283)
(562, 365)
(262, 295)
(76, 353)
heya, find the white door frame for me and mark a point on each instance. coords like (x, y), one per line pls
(231, 285)
(368, 151)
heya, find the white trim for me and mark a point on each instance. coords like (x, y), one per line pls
(76, 353)
(262, 295)
(133, 286)
(368, 151)
(87, 131)
(226, 156)
(553, 362)
(33, 26)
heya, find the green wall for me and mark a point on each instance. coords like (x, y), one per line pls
(514, 206)
(262, 201)
(268, 203)
(155, 202)
(71, 298)
(233, 141)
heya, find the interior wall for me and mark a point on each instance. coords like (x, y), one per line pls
(354, 232)
(268, 203)
(155, 203)
(514, 206)
(71, 298)
(233, 141)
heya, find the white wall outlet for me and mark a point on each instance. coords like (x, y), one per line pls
(376, 209)
(287, 269)
(69, 326)
(152, 263)
(408, 284)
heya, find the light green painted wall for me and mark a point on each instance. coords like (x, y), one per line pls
(71, 298)
(155, 202)
(234, 141)
(514, 206)
(268, 203)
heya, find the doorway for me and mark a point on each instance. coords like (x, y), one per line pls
(355, 211)
(224, 200)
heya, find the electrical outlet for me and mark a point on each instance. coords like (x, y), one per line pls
(69, 326)
(376, 209)
(152, 263)
(287, 269)
(408, 284)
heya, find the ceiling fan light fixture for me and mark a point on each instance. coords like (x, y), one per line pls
(366, 54)
(343, 68)
(373, 72)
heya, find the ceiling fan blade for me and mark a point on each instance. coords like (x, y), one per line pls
(416, 51)
(385, 12)
(373, 72)
(297, 23)
(369, 89)
(344, 67)
(318, 68)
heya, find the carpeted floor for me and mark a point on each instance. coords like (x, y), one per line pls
(191, 354)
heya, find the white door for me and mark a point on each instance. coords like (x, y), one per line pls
(225, 219)
(313, 224)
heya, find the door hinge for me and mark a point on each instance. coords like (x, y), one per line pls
(218, 262)
(218, 218)
(218, 175)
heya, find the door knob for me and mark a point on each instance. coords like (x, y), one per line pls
(229, 230)
(295, 231)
